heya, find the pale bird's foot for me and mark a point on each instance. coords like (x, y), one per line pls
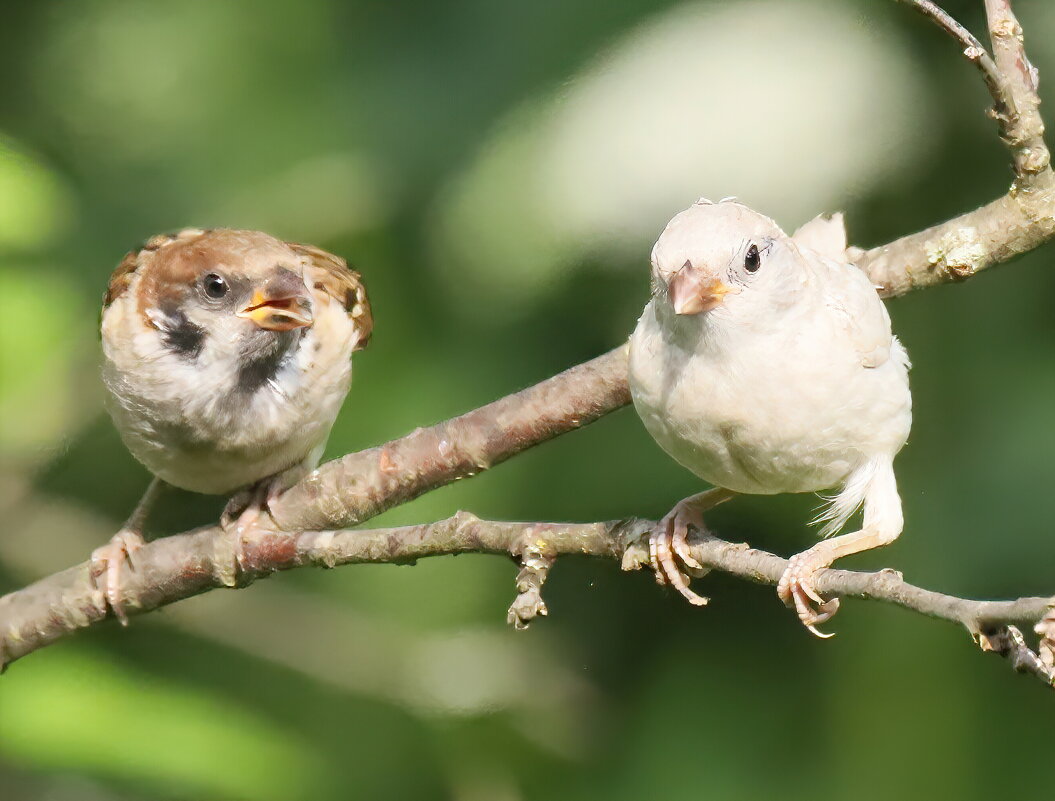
(668, 551)
(108, 562)
(795, 589)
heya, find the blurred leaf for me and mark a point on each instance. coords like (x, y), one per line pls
(40, 317)
(75, 710)
(671, 112)
(34, 206)
(499, 171)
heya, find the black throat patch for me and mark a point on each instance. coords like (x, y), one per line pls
(268, 351)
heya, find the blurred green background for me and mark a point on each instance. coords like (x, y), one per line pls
(498, 171)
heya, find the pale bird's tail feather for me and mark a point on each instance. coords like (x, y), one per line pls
(841, 507)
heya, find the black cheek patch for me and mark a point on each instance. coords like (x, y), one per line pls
(183, 337)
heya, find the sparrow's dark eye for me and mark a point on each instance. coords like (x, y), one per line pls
(215, 286)
(752, 260)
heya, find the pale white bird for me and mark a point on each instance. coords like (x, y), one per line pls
(765, 364)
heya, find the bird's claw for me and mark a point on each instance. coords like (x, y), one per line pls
(668, 552)
(242, 517)
(108, 562)
(679, 543)
(796, 590)
(239, 527)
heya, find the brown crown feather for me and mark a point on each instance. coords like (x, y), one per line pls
(122, 276)
(337, 279)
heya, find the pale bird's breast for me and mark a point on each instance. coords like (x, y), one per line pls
(760, 417)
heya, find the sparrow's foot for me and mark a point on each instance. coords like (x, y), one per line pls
(241, 517)
(795, 589)
(109, 562)
(111, 559)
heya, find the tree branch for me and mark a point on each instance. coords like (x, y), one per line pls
(356, 487)
(1022, 129)
(1014, 224)
(1012, 82)
(962, 247)
(178, 567)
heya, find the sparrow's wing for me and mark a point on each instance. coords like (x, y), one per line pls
(824, 235)
(121, 278)
(333, 276)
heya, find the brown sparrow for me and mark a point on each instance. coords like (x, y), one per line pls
(227, 357)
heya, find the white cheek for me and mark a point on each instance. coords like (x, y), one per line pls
(223, 330)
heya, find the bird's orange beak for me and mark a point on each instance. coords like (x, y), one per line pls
(281, 305)
(691, 292)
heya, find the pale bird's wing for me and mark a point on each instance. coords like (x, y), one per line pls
(860, 313)
(824, 235)
(848, 292)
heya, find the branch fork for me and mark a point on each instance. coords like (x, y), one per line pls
(536, 558)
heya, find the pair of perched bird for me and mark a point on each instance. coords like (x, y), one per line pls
(763, 363)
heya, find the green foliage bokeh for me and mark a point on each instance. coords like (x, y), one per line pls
(497, 171)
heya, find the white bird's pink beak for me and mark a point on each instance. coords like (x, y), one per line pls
(692, 292)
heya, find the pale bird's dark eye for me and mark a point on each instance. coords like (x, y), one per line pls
(214, 285)
(752, 260)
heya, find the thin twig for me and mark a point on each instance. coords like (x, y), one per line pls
(1012, 83)
(975, 52)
